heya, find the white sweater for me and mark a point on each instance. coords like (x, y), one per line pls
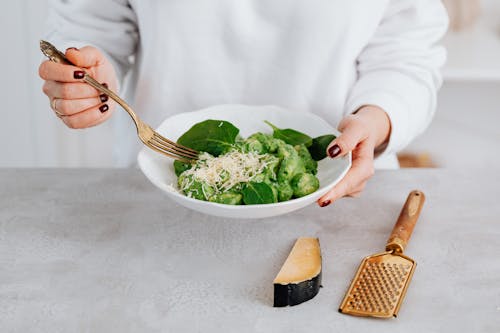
(324, 56)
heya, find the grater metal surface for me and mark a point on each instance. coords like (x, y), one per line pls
(380, 284)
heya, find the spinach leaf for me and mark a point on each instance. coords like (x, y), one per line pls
(319, 145)
(257, 193)
(291, 136)
(180, 167)
(211, 136)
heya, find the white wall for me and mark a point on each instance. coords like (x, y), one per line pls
(30, 135)
(465, 132)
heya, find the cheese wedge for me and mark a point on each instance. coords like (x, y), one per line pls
(299, 279)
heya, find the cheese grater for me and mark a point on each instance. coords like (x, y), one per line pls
(380, 284)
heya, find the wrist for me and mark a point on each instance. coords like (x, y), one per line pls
(378, 123)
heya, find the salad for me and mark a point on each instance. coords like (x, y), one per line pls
(263, 168)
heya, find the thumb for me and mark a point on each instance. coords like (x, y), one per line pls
(353, 132)
(86, 57)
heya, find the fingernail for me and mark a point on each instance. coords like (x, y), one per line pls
(103, 98)
(325, 203)
(103, 108)
(333, 151)
(105, 84)
(78, 74)
(72, 48)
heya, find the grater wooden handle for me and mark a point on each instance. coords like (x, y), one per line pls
(407, 219)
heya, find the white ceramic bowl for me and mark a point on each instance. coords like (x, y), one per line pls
(249, 119)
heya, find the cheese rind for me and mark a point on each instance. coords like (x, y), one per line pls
(299, 279)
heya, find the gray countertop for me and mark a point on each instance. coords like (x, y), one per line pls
(104, 251)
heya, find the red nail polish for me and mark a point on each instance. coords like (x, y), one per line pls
(78, 74)
(104, 108)
(103, 98)
(105, 85)
(325, 203)
(72, 48)
(334, 151)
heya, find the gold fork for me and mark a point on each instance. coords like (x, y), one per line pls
(148, 136)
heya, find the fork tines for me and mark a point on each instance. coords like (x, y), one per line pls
(172, 149)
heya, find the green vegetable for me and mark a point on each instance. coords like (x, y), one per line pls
(290, 166)
(260, 178)
(284, 150)
(285, 191)
(271, 170)
(257, 193)
(180, 167)
(319, 145)
(252, 144)
(290, 136)
(310, 164)
(212, 136)
(274, 188)
(195, 189)
(228, 198)
(270, 144)
(304, 184)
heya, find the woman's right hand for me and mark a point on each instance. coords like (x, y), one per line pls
(75, 102)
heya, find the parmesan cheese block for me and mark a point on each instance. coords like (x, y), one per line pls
(299, 279)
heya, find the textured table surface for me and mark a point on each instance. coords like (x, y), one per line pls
(104, 251)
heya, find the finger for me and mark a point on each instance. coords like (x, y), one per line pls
(358, 174)
(69, 107)
(55, 89)
(353, 132)
(361, 170)
(356, 192)
(88, 118)
(53, 71)
(106, 110)
(86, 57)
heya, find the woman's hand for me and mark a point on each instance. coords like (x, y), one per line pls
(75, 102)
(362, 132)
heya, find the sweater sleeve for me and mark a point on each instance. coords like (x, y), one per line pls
(398, 69)
(109, 25)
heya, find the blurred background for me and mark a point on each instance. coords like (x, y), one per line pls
(465, 132)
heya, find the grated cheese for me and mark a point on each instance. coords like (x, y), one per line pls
(225, 171)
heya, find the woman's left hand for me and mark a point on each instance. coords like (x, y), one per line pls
(362, 133)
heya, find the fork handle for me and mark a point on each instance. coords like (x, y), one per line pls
(401, 232)
(51, 52)
(91, 81)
